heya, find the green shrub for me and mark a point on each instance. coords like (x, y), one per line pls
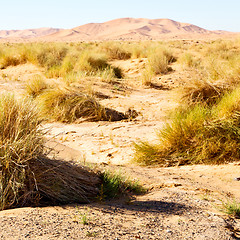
(195, 136)
(232, 208)
(115, 184)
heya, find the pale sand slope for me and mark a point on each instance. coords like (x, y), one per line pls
(118, 29)
(135, 29)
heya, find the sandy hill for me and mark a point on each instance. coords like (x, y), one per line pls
(134, 29)
(118, 29)
(28, 33)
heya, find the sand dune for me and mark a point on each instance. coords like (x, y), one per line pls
(119, 29)
(28, 33)
(134, 29)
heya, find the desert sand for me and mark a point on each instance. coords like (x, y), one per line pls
(181, 203)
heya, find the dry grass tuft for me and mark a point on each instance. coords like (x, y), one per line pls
(202, 91)
(69, 105)
(36, 86)
(20, 141)
(115, 50)
(196, 135)
(61, 182)
(27, 177)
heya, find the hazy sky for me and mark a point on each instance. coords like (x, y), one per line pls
(209, 14)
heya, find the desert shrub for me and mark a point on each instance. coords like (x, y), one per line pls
(202, 91)
(95, 64)
(9, 61)
(147, 76)
(27, 176)
(231, 208)
(115, 50)
(188, 60)
(67, 105)
(62, 70)
(107, 75)
(68, 64)
(222, 61)
(175, 137)
(229, 105)
(138, 50)
(91, 62)
(158, 60)
(21, 141)
(49, 56)
(35, 86)
(18, 53)
(195, 136)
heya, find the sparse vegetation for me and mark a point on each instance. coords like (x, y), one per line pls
(68, 105)
(232, 208)
(209, 97)
(115, 184)
(35, 86)
(27, 177)
(21, 141)
(159, 59)
(200, 134)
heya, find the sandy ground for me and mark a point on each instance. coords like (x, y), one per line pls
(181, 203)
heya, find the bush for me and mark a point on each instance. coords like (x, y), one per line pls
(27, 176)
(195, 136)
(115, 51)
(188, 60)
(115, 184)
(229, 105)
(158, 60)
(51, 56)
(21, 141)
(232, 208)
(35, 86)
(147, 76)
(68, 105)
(202, 91)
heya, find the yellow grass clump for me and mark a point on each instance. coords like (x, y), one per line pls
(196, 135)
(36, 86)
(69, 105)
(27, 176)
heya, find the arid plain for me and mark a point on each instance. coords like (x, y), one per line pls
(155, 101)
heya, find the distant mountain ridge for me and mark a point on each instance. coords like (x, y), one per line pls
(118, 29)
(27, 33)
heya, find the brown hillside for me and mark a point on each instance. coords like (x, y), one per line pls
(118, 29)
(134, 29)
